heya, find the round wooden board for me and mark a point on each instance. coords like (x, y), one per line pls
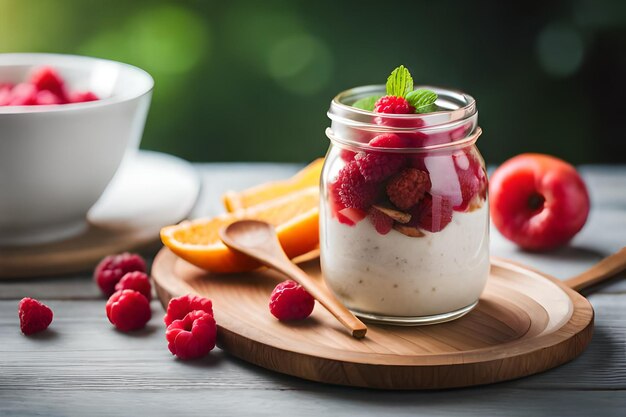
(525, 323)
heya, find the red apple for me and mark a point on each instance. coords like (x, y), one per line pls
(538, 201)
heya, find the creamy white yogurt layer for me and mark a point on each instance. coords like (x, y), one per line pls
(398, 275)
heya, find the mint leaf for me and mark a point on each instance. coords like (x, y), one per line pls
(367, 103)
(399, 82)
(422, 100)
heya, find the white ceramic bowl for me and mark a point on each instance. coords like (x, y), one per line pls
(55, 161)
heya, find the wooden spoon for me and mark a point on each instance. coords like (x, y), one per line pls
(258, 240)
(603, 270)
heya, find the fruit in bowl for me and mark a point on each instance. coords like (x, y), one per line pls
(538, 201)
(56, 160)
(44, 86)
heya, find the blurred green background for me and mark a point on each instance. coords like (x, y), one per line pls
(252, 80)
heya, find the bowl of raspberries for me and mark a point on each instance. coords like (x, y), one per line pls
(66, 123)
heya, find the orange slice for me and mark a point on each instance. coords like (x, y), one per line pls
(309, 176)
(294, 215)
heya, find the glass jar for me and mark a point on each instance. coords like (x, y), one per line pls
(404, 217)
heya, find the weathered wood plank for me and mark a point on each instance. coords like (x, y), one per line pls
(84, 367)
(337, 402)
(82, 351)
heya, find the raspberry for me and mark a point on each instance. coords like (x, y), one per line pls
(434, 213)
(394, 105)
(5, 94)
(388, 140)
(470, 185)
(353, 189)
(408, 187)
(45, 97)
(128, 310)
(137, 281)
(416, 139)
(351, 216)
(290, 301)
(472, 178)
(377, 167)
(82, 97)
(46, 78)
(382, 223)
(192, 336)
(112, 268)
(23, 95)
(34, 316)
(179, 307)
(347, 155)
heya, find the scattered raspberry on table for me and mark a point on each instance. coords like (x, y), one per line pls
(138, 281)
(179, 307)
(128, 310)
(193, 336)
(34, 316)
(112, 268)
(290, 301)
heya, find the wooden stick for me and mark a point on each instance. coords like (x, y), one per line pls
(603, 270)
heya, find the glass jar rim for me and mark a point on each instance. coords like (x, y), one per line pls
(456, 110)
(440, 147)
(466, 106)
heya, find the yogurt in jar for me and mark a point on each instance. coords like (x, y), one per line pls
(399, 275)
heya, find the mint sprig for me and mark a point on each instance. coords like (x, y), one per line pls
(423, 100)
(399, 82)
(367, 103)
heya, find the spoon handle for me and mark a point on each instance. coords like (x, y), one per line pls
(606, 268)
(321, 294)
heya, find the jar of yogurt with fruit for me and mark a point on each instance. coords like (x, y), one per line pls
(404, 217)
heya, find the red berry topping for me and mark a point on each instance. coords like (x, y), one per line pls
(388, 140)
(137, 281)
(353, 189)
(23, 95)
(192, 336)
(352, 216)
(179, 307)
(434, 213)
(472, 178)
(45, 97)
(112, 268)
(5, 94)
(34, 316)
(394, 105)
(46, 78)
(128, 310)
(408, 187)
(347, 155)
(290, 301)
(377, 167)
(82, 97)
(382, 223)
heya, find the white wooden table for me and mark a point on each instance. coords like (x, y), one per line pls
(81, 366)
